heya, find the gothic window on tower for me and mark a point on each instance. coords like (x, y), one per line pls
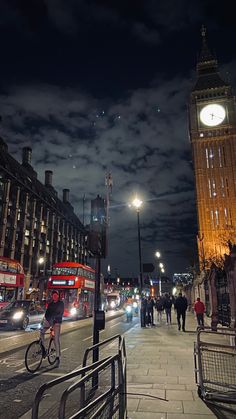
(211, 158)
(220, 157)
(227, 186)
(213, 188)
(217, 217)
(222, 187)
(226, 216)
(209, 184)
(223, 155)
(207, 158)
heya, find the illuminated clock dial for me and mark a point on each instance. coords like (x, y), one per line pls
(212, 115)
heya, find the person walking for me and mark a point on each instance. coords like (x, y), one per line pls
(167, 307)
(143, 311)
(53, 317)
(159, 308)
(150, 305)
(199, 309)
(181, 305)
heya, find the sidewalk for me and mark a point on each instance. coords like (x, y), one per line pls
(160, 363)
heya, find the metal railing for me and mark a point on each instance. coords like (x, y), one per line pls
(215, 367)
(107, 400)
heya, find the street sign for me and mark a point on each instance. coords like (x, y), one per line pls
(148, 267)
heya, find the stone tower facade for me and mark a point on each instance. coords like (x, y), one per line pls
(212, 128)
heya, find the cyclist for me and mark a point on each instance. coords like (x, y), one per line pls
(53, 317)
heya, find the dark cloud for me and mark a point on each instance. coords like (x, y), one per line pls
(103, 86)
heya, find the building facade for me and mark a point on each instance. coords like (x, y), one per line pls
(35, 225)
(212, 128)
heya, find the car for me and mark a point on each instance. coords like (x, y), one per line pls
(20, 313)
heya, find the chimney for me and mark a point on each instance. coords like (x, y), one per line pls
(48, 177)
(66, 193)
(26, 156)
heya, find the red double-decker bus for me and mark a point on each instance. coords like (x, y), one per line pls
(76, 284)
(11, 280)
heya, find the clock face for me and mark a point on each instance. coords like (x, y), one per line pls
(212, 115)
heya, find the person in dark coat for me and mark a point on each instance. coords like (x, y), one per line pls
(167, 307)
(159, 308)
(150, 305)
(143, 311)
(181, 305)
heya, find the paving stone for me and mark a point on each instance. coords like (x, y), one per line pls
(160, 406)
(179, 395)
(186, 416)
(197, 407)
(146, 415)
(144, 393)
(152, 379)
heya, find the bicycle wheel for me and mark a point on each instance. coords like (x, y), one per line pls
(33, 356)
(52, 355)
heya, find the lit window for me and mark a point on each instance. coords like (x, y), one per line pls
(211, 157)
(217, 217)
(213, 188)
(207, 159)
(226, 216)
(209, 184)
(222, 187)
(220, 159)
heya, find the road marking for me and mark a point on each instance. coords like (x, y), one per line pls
(12, 337)
(90, 337)
(114, 325)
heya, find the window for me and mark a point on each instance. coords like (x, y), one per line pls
(222, 187)
(209, 185)
(207, 159)
(220, 158)
(211, 158)
(213, 188)
(223, 155)
(217, 217)
(227, 187)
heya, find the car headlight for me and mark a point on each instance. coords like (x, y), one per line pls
(113, 304)
(18, 315)
(135, 305)
(73, 311)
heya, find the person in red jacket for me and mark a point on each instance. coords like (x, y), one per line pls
(199, 309)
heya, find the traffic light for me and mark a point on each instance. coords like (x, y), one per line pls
(98, 226)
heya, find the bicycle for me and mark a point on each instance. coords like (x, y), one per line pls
(35, 353)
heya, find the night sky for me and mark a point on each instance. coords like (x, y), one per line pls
(103, 86)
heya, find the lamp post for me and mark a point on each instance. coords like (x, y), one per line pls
(137, 203)
(162, 270)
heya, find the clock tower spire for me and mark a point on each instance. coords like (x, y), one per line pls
(212, 129)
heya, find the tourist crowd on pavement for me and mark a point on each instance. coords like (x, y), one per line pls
(163, 304)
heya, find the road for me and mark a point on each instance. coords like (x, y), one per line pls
(18, 387)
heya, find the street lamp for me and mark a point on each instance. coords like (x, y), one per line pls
(162, 270)
(137, 203)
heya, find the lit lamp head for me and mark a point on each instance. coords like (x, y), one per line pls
(162, 270)
(137, 203)
(161, 265)
(157, 254)
(41, 260)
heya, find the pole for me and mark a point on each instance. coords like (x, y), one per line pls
(83, 207)
(97, 301)
(140, 254)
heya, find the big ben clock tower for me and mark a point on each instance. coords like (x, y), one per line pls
(212, 118)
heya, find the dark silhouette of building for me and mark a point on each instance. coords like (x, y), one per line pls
(34, 222)
(212, 118)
